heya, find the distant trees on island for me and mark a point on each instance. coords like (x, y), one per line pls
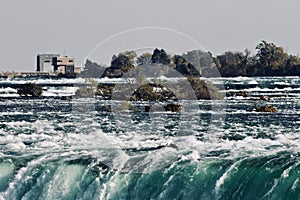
(269, 60)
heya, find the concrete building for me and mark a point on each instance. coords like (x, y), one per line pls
(77, 70)
(45, 62)
(54, 63)
(64, 65)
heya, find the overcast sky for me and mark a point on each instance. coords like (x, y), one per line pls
(76, 27)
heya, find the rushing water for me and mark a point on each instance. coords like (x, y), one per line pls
(219, 149)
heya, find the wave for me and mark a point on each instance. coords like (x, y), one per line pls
(44, 177)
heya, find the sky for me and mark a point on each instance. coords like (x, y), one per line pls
(74, 28)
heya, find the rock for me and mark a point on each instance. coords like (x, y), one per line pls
(85, 92)
(265, 98)
(154, 108)
(30, 89)
(105, 90)
(106, 108)
(80, 109)
(281, 95)
(255, 99)
(174, 108)
(153, 92)
(158, 92)
(204, 90)
(266, 108)
(66, 98)
(239, 93)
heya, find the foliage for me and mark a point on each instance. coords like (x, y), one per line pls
(270, 55)
(232, 63)
(144, 59)
(199, 58)
(269, 60)
(160, 56)
(121, 61)
(30, 89)
(120, 64)
(92, 69)
(131, 55)
(184, 67)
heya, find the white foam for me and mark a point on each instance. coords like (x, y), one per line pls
(16, 147)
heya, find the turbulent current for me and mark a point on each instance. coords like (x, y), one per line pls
(53, 148)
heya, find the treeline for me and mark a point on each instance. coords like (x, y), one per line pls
(269, 60)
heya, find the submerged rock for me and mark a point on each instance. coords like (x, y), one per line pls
(106, 108)
(265, 98)
(266, 108)
(30, 89)
(204, 89)
(152, 93)
(85, 92)
(174, 108)
(239, 93)
(66, 98)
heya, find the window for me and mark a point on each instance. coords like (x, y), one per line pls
(69, 69)
(70, 60)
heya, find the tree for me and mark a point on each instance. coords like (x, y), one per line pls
(144, 59)
(292, 66)
(270, 55)
(130, 54)
(293, 60)
(232, 64)
(121, 61)
(199, 58)
(120, 65)
(164, 58)
(92, 69)
(184, 67)
(160, 56)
